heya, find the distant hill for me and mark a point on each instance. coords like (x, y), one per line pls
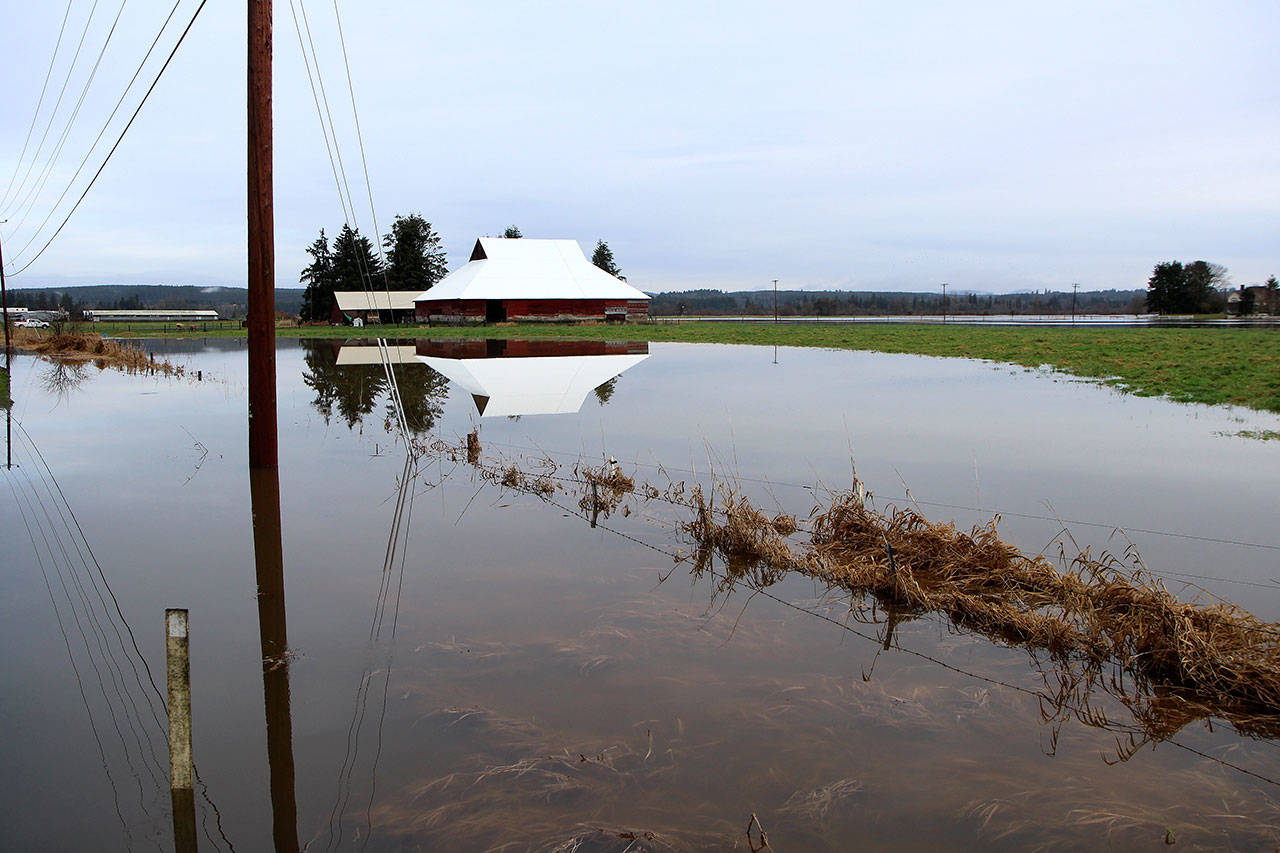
(835, 303)
(229, 302)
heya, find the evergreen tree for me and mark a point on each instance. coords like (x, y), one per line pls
(415, 260)
(317, 299)
(1177, 289)
(1273, 295)
(355, 263)
(512, 233)
(603, 258)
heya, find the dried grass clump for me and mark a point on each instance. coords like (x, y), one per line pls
(751, 541)
(473, 447)
(605, 488)
(513, 478)
(91, 346)
(608, 478)
(1092, 610)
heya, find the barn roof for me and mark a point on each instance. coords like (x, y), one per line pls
(376, 300)
(539, 385)
(524, 268)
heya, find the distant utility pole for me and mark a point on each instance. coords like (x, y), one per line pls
(775, 300)
(4, 303)
(944, 302)
(1075, 286)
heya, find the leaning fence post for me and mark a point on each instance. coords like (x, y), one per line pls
(181, 790)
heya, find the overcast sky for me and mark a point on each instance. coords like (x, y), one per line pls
(994, 146)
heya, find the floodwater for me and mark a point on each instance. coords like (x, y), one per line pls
(513, 678)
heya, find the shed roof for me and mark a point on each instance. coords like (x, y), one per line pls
(525, 268)
(376, 300)
(351, 354)
(539, 385)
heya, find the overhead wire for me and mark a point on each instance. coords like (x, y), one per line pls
(195, 15)
(105, 127)
(17, 164)
(57, 104)
(28, 202)
(347, 201)
(79, 561)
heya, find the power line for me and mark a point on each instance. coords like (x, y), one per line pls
(39, 103)
(120, 139)
(58, 103)
(105, 126)
(38, 187)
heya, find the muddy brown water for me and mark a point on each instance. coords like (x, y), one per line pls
(542, 686)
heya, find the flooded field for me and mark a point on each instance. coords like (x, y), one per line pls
(521, 670)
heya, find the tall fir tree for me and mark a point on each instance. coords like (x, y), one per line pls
(415, 260)
(317, 298)
(603, 258)
(356, 265)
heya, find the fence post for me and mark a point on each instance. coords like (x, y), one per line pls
(181, 790)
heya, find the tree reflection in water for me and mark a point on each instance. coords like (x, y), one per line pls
(356, 390)
(61, 378)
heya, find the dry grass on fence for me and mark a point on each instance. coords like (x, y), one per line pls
(1187, 660)
(1093, 610)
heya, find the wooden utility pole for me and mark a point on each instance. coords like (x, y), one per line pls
(4, 303)
(181, 775)
(264, 464)
(264, 494)
(944, 302)
(775, 300)
(263, 449)
(1075, 286)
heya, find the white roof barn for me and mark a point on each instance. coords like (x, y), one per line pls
(525, 268)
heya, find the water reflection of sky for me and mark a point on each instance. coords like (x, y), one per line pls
(524, 634)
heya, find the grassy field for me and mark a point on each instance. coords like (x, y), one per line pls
(1239, 366)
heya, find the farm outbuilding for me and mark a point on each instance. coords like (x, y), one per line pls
(375, 306)
(525, 280)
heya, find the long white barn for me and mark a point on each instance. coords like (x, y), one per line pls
(525, 279)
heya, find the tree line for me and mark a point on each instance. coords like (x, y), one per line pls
(843, 303)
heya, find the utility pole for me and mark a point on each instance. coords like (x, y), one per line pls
(4, 303)
(264, 464)
(775, 300)
(263, 449)
(944, 302)
(1075, 286)
(8, 365)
